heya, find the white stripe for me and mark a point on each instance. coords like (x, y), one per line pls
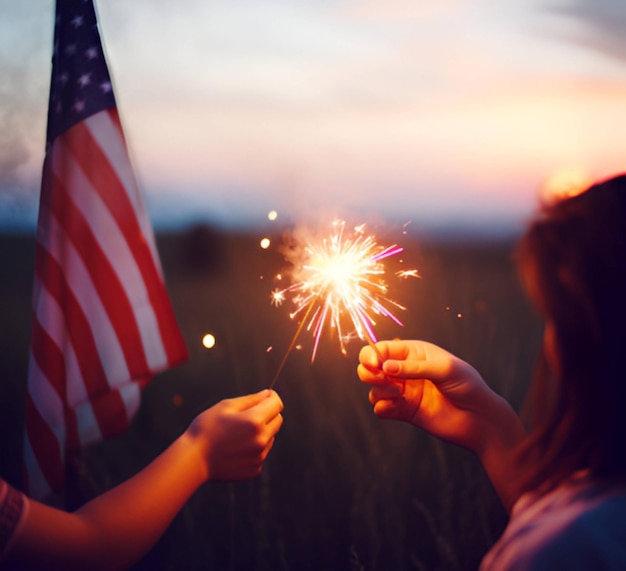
(115, 248)
(88, 429)
(38, 486)
(107, 135)
(46, 400)
(79, 281)
(52, 320)
(131, 396)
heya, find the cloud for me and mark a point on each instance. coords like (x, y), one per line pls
(398, 10)
(13, 151)
(600, 25)
(18, 189)
(24, 52)
(17, 130)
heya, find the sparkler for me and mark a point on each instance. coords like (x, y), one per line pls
(336, 280)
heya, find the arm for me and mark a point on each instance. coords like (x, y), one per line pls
(424, 385)
(229, 441)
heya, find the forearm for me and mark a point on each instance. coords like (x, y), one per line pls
(497, 452)
(143, 506)
(228, 441)
(119, 527)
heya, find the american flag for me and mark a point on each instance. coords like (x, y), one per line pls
(102, 321)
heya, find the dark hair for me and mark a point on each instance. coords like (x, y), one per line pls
(572, 260)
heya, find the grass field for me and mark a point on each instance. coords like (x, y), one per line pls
(341, 490)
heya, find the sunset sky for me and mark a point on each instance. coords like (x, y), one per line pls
(446, 113)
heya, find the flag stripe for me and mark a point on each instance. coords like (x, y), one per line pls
(49, 324)
(106, 129)
(120, 207)
(110, 410)
(50, 360)
(87, 422)
(46, 446)
(49, 316)
(72, 299)
(129, 393)
(79, 331)
(36, 484)
(48, 403)
(106, 132)
(112, 219)
(112, 294)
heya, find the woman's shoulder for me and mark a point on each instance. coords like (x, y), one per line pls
(579, 525)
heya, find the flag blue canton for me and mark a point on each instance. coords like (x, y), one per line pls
(80, 84)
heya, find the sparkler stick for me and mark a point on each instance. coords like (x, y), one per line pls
(369, 340)
(372, 344)
(339, 279)
(293, 342)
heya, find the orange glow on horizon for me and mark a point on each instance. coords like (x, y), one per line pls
(564, 184)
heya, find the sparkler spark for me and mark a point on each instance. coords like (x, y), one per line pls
(408, 274)
(277, 297)
(338, 284)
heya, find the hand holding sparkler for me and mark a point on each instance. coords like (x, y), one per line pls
(427, 386)
(236, 434)
(424, 385)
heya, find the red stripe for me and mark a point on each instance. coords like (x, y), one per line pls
(79, 332)
(115, 118)
(104, 277)
(71, 430)
(45, 446)
(51, 362)
(111, 406)
(105, 181)
(49, 358)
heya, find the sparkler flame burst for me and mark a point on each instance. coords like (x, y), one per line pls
(338, 283)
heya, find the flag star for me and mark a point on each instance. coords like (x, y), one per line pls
(106, 87)
(79, 105)
(77, 21)
(70, 49)
(91, 53)
(64, 78)
(84, 80)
